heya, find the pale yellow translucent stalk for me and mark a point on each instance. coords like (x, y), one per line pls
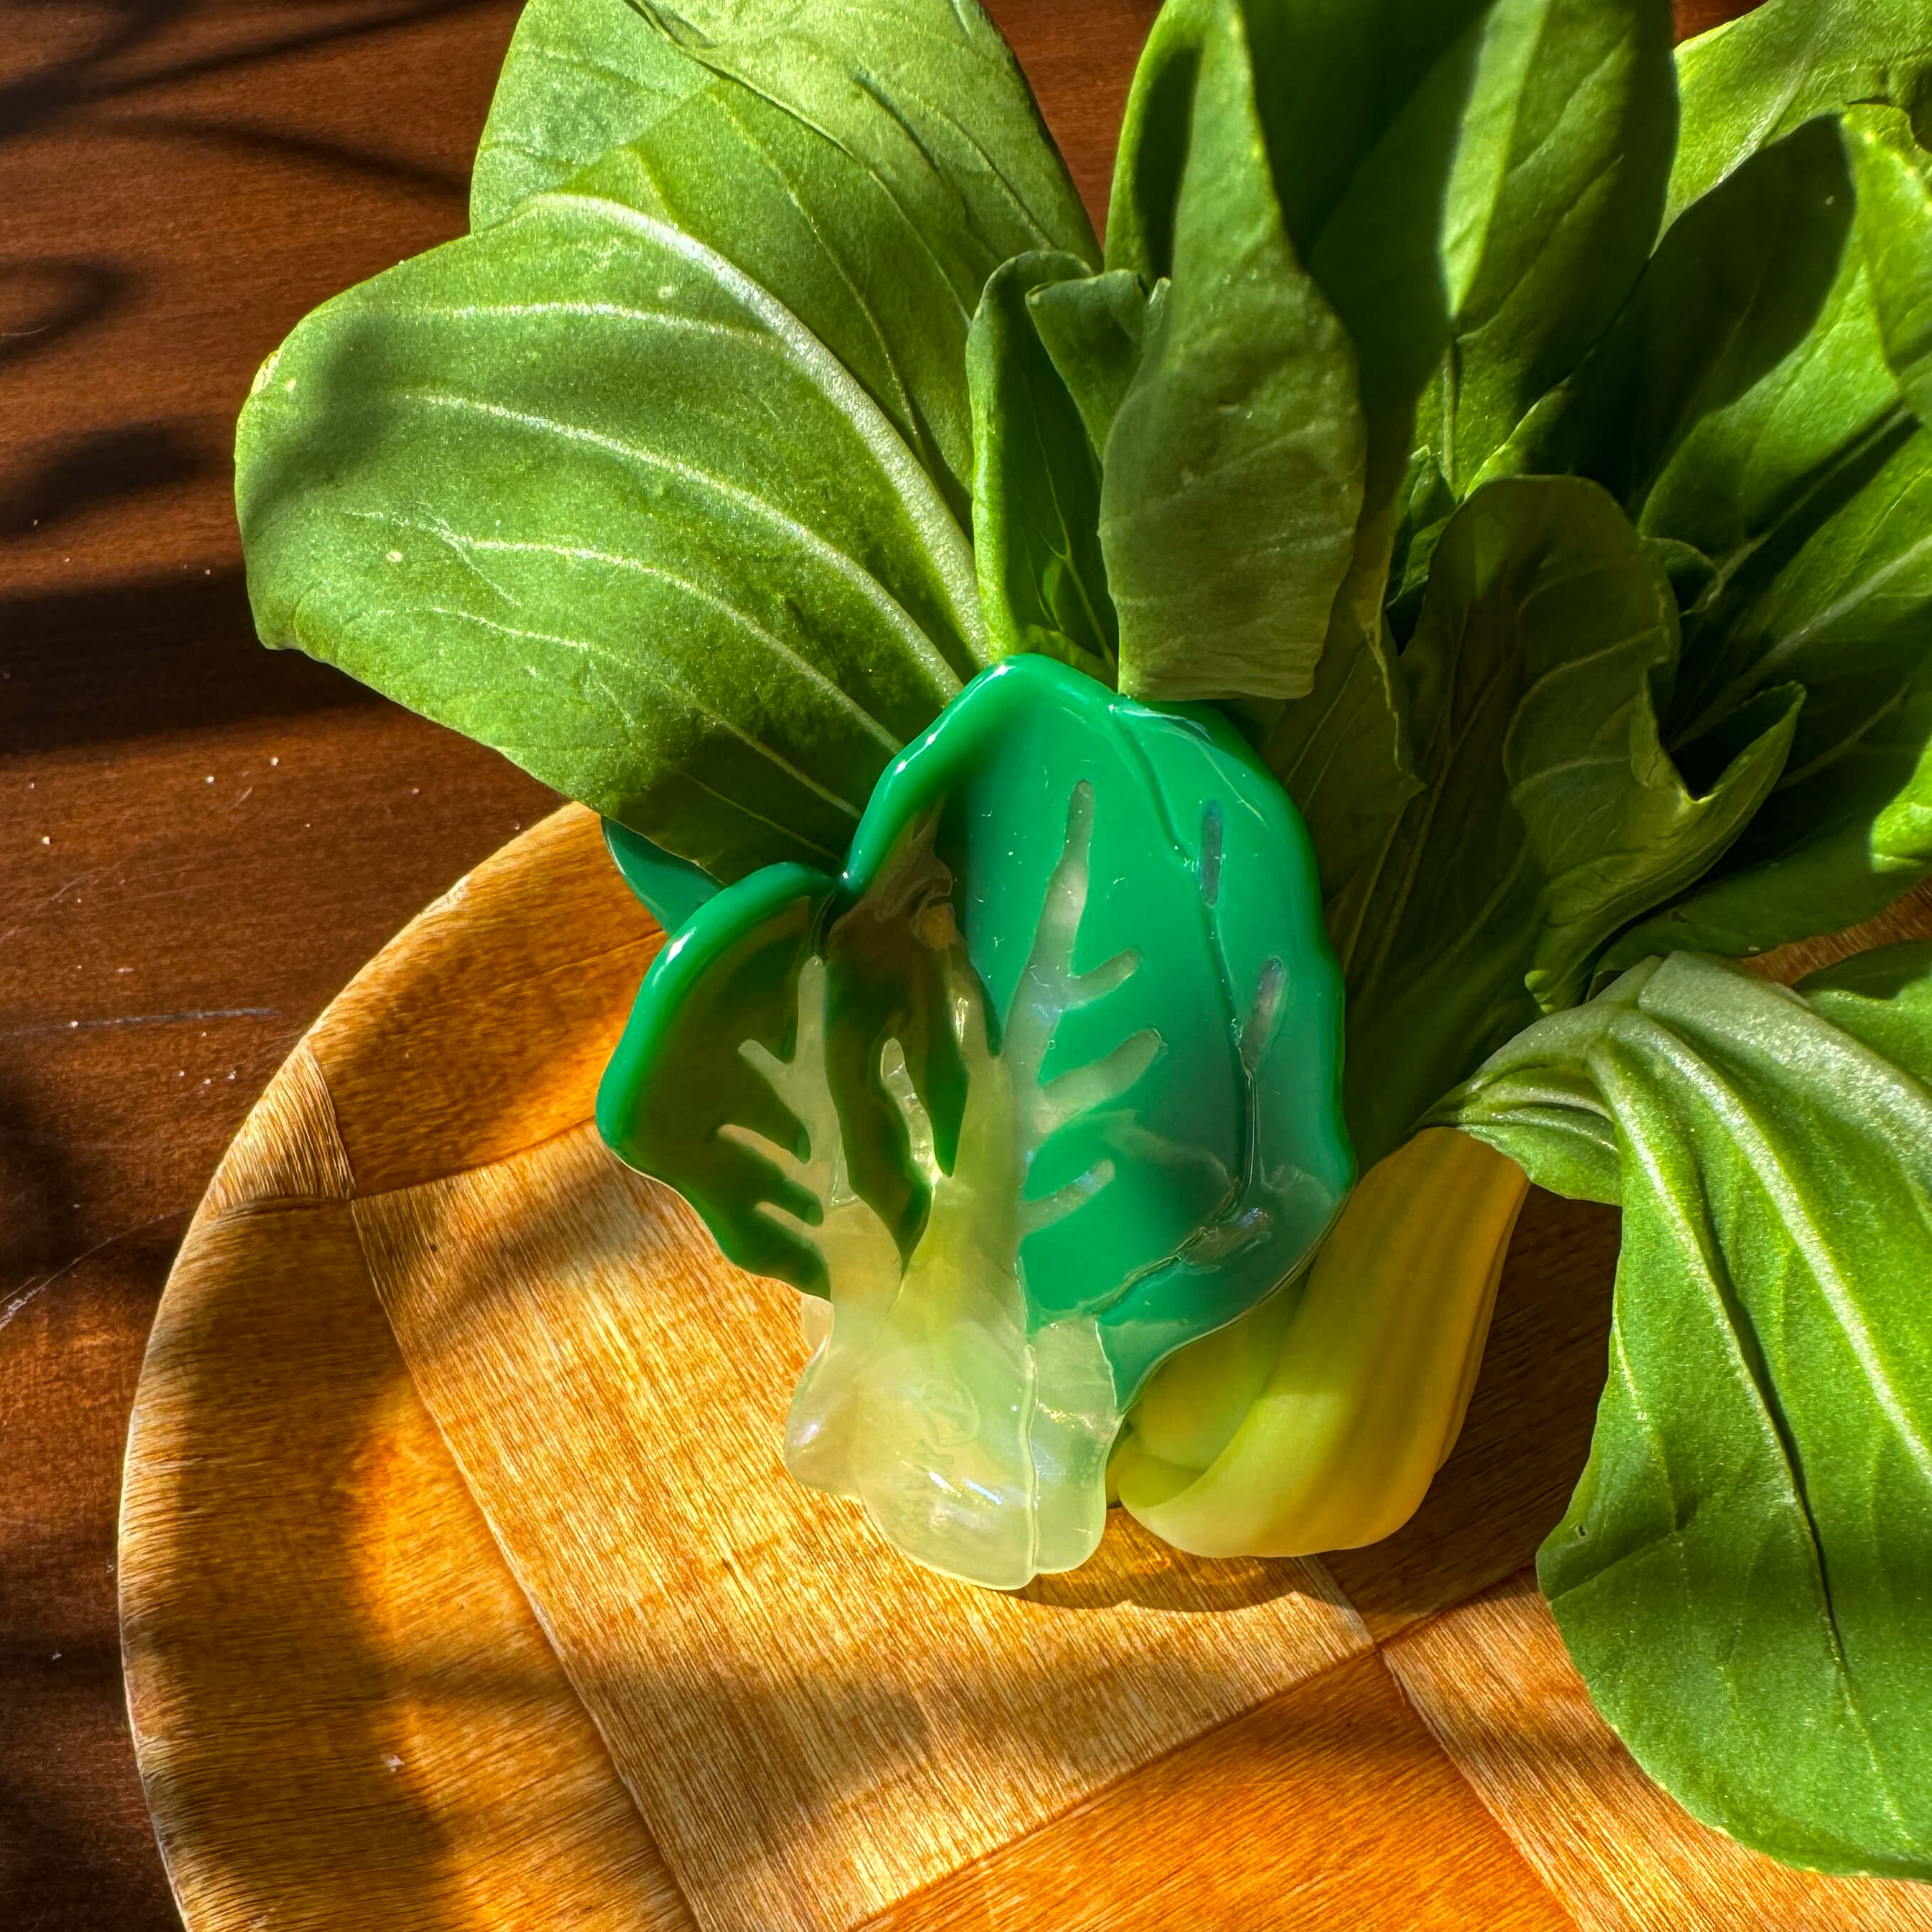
(977, 1443)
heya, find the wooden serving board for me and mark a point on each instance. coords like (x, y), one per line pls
(462, 1587)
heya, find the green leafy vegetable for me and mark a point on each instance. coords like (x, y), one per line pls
(1037, 482)
(1847, 615)
(1092, 330)
(1746, 407)
(1550, 813)
(1894, 178)
(1234, 465)
(1883, 998)
(1755, 79)
(817, 230)
(923, 94)
(577, 487)
(581, 77)
(1747, 363)
(1343, 752)
(1474, 187)
(1526, 440)
(1552, 201)
(1744, 1572)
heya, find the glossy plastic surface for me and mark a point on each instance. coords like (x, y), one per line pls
(1318, 1424)
(1042, 1087)
(672, 889)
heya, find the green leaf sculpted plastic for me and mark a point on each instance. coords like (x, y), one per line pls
(671, 888)
(1044, 1084)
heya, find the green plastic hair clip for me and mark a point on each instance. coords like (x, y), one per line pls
(1043, 1086)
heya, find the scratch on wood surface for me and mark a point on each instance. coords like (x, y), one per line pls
(141, 1020)
(34, 1290)
(54, 898)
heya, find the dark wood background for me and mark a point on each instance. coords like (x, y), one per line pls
(200, 841)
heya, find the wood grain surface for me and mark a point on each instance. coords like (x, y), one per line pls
(201, 841)
(1495, 1685)
(812, 1728)
(356, 1723)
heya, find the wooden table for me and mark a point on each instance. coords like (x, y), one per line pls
(200, 841)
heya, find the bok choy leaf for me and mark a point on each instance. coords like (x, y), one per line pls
(1744, 1573)
(1037, 482)
(817, 229)
(1755, 79)
(578, 487)
(922, 95)
(1550, 813)
(1233, 470)
(1772, 443)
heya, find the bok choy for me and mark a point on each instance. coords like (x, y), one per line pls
(1122, 739)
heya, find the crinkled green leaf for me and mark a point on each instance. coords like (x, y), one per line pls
(1553, 201)
(1233, 466)
(1744, 1574)
(581, 77)
(1343, 751)
(1693, 577)
(1746, 408)
(1893, 175)
(1474, 186)
(1747, 364)
(1357, 105)
(815, 227)
(1504, 216)
(868, 164)
(1884, 998)
(1331, 81)
(1762, 429)
(1846, 613)
(1550, 813)
(1535, 1100)
(924, 94)
(1093, 330)
(1835, 593)
(1752, 80)
(1036, 482)
(578, 487)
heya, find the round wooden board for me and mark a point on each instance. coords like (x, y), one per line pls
(347, 1711)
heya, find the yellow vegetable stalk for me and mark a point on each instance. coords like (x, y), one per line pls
(1318, 1422)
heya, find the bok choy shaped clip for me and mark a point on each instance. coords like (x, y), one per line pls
(1043, 1086)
